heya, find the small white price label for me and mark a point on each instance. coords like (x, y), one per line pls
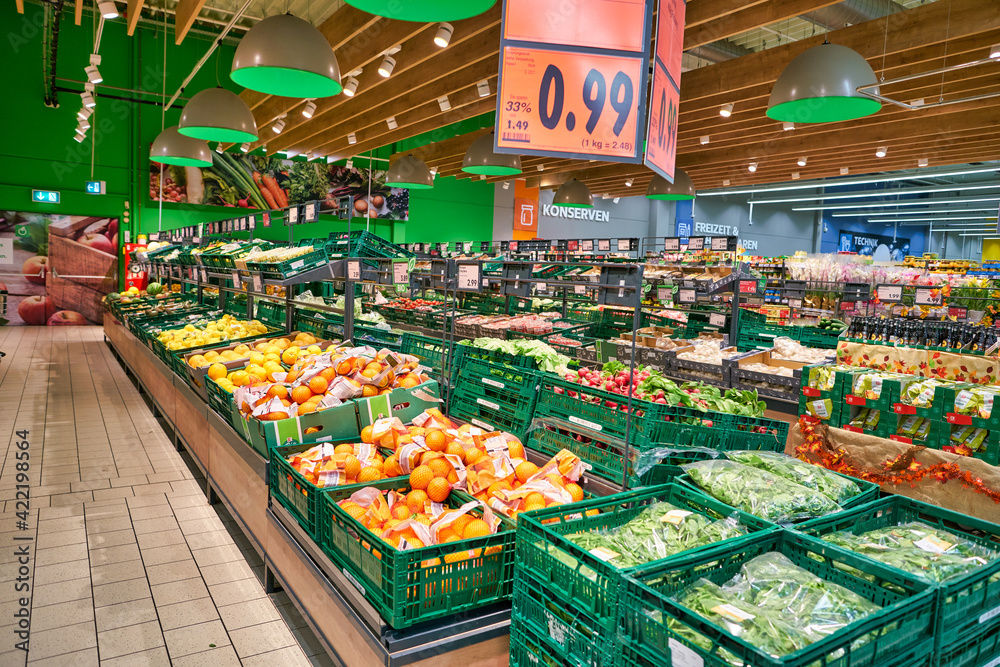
(687, 296)
(717, 320)
(467, 247)
(890, 293)
(204, 275)
(664, 294)
(720, 243)
(579, 289)
(926, 296)
(671, 244)
(624, 245)
(236, 278)
(258, 283)
(468, 277)
(603, 245)
(293, 215)
(400, 273)
(310, 214)
(587, 246)
(795, 303)
(354, 270)
(683, 656)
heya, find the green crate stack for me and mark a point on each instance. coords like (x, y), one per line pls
(414, 585)
(291, 267)
(982, 653)
(888, 394)
(958, 397)
(963, 600)
(559, 572)
(391, 340)
(810, 392)
(494, 394)
(290, 488)
(270, 312)
(888, 421)
(940, 438)
(432, 352)
(902, 633)
(463, 352)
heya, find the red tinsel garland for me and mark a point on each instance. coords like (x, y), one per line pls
(901, 470)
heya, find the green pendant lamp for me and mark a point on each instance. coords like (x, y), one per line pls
(217, 114)
(820, 86)
(480, 159)
(410, 173)
(425, 11)
(660, 188)
(284, 55)
(172, 147)
(573, 194)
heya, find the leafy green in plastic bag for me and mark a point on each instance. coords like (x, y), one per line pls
(833, 486)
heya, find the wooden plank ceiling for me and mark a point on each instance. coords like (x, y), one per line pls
(919, 39)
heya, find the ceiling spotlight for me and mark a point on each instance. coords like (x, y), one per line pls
(245, 147)
(483, 88)
(881, 151)
(540, 167)
(616, 199)
(506, 185)
(795, 175)
(844, 171)
(81, 130)
(444, 33)
(725, 181)
(84, 112)
(995, 51)
(108, 9)
(79, 138)
(726, 111)
(93, 75)
(84, 123)
(218, 149)
(916, 104)
(352, 138)
(629, 182)
(391, 122)
(279, 124)
(351, 86)
(482, 177)
(88, 99)
(802, 161)
(704, 140)
(434, 172)
(443, 103)
(787, 125)
(385, 69)
(752, 167)
(922, 162)
(350, 164)
(309, 109)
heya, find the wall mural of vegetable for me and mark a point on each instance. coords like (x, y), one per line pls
(263, 182)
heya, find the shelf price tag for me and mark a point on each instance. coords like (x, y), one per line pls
(204, 275)
(401, 273)
(748, 287)
(624, 245)
(717, 320)
(310, 212)
(926, 296)
(265, 218)
(603, 245)
(354, 270)
(671, 244)
(696, 243)
(664, 294)
(795, 303)
(889, 293)
(687, 296)
(720, 243)
(258, 283)
(467, 247)
(468, 277)
(579, 289)
(236, 278)
(587, 245)
(293, 215)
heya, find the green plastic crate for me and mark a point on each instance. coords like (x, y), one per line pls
(940, 438)
(415, 585)
(889, 393)
(899, 634)
(430, 351)
(391, 340)
(480, 412)
(219, 399)
(291, 267)
(984, 652)
(290, 488)
(497, 386)
(575, 576)
(951, 414)
(968, 605)
(463, 351)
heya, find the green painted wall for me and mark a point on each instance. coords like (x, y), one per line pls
(37, 148)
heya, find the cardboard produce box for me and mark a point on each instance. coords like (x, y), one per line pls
(766, 384)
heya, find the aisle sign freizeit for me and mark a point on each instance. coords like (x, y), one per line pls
(573, 85)
(664, 101)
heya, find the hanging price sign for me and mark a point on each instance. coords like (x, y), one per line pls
(687, 296)
(696, 243)
(720, 243)
(293, 215)
(925, 296)
(664, 101)
(574, 87)
(311, 212)
(671, 244)
(795, 303)
(890, 293)
(468, 277)
(603, 245)
(717, 320)
(587, 246)
(401, 273)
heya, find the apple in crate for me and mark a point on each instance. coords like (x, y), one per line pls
(67, 318)
(36, 310)
(35, 269)
(98, 242)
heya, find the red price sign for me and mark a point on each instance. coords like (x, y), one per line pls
(601, 24)
(559, 103)
(664, 101)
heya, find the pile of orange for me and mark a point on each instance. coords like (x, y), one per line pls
(328, 465)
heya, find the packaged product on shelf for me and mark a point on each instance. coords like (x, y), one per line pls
(975, 401)
(872, 420)
(858, 420)
(920, 394)
(914, 428)
(967, 438)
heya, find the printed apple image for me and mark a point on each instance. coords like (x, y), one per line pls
(36, 310)
(36, 269)
(98, 242)
(114, 241)
(67, 318)
(112, 228)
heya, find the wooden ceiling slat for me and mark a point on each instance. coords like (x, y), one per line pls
(77, 11)
(743, 17)
(705, 11)
(134, 11)
(184, 17)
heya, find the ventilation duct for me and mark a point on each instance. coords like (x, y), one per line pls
(851, 12)
(720, 51)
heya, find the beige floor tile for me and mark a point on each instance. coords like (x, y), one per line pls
(60, 554)
(215, 555)
(195, 526)
(178, 615)
(115, 538)
(84, 658)
(61, 615)
(107, 494)
(245, 614)
(121, 591)
(130, 639)
(154, 657)
(168, 572)
(119, 554)
(148, 499)
(131, 480)
(115, 572)
(179, 591)
(184, 514)
(71, 498)
(224, 656)
(215, 538)
(187, 487)
(59, 525)
(109, 524)
(157, 511)
(170, 476)
(264, 638)
(53, 574)
(188, 501)
(196, 638)
(237, 591)
(64, 591)
(166, 554)
(226, 572)
(151, 489)
(67, 639)
(61, 539)
(125, 614)
(90, 485)
(107, 508)
(154, 525)
(160, 539)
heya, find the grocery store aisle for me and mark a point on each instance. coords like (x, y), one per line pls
(127, 563)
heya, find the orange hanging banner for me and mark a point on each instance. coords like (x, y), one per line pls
(615, 25)
(664, 99)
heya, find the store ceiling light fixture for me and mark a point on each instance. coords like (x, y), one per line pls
(795, 175)
(94, 74)
(79, 137)
(787, 125)
(84, 123)
(821, 86)
(443, 36)
(922, 162)
(444, 103)
(540, 167)
(942, 219)
(309, 109)
(726, 110)
(279, 124)
(81, 130)
(217, 114)
(573, 194)
(752, 167)
(245, 147)
(682, 189)
(629, 182)
(391, 122)
(84, 112)
(88, 99)
(935, 211)
(802, 161)
(172, 147)
(284, 55)
(880, 193)
(218, 149)
(705, 139)
(352, 138)
(410, 173)
(349, 164)
(888, 204)
(387, 65)
(480, 159)
(108, 9)
(995, 51)
(424, 11)
(351, 87)
(725, 181)
(483, 88)
(844, 171)
(881, 151)
(506, 185)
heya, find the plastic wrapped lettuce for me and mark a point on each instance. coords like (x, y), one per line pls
(773, 604)
(546, 358)
(925, 551)
(759, 492)
(660, 530)
(833, 486)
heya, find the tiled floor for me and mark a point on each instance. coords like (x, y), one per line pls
(129, 565)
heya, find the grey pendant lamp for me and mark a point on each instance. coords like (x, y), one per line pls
(573, 194)
(682, 188)
(480, 159)
(410, 173)
(425, 11)
(284, 55)
(820, 86)
(172, 147)
(217, 114)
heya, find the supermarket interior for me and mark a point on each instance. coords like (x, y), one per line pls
(709, 385)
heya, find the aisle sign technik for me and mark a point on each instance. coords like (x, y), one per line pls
(664, 101)
(573, 78)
